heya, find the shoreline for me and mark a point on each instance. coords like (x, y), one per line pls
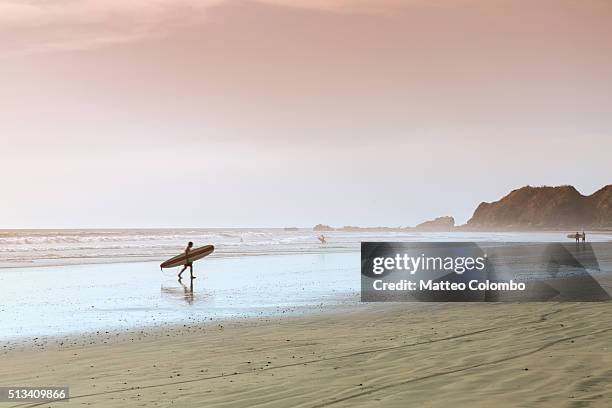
(57, 342)
(41, 302)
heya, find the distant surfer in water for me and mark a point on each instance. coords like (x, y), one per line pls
(188, 263)
(322, 239)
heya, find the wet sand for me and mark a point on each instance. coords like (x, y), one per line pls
(58, 301)
(400, 355)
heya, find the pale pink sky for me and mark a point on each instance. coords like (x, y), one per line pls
(277, 113)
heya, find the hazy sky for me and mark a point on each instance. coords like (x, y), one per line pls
(141, 113)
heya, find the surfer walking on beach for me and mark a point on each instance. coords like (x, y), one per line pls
(188, 263)
(577, 236)
(583, 236)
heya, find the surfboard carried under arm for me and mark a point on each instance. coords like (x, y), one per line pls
(194, 255)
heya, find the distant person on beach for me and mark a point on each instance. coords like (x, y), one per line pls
(322, 239)
(577, 236)
(188, 263)
(583, 236)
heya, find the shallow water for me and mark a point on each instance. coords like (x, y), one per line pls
(53, 301)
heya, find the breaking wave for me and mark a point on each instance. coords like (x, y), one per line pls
(58, 247)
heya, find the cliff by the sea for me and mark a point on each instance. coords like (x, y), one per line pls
(540, 208)
(526, 208)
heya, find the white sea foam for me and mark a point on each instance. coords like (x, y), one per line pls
(58, 247)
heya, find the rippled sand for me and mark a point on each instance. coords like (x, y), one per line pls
(433, 355)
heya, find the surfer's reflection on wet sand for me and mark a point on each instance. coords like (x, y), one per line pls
(188, 291)
(184, 292)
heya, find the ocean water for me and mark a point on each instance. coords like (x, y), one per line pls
(25, 248)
